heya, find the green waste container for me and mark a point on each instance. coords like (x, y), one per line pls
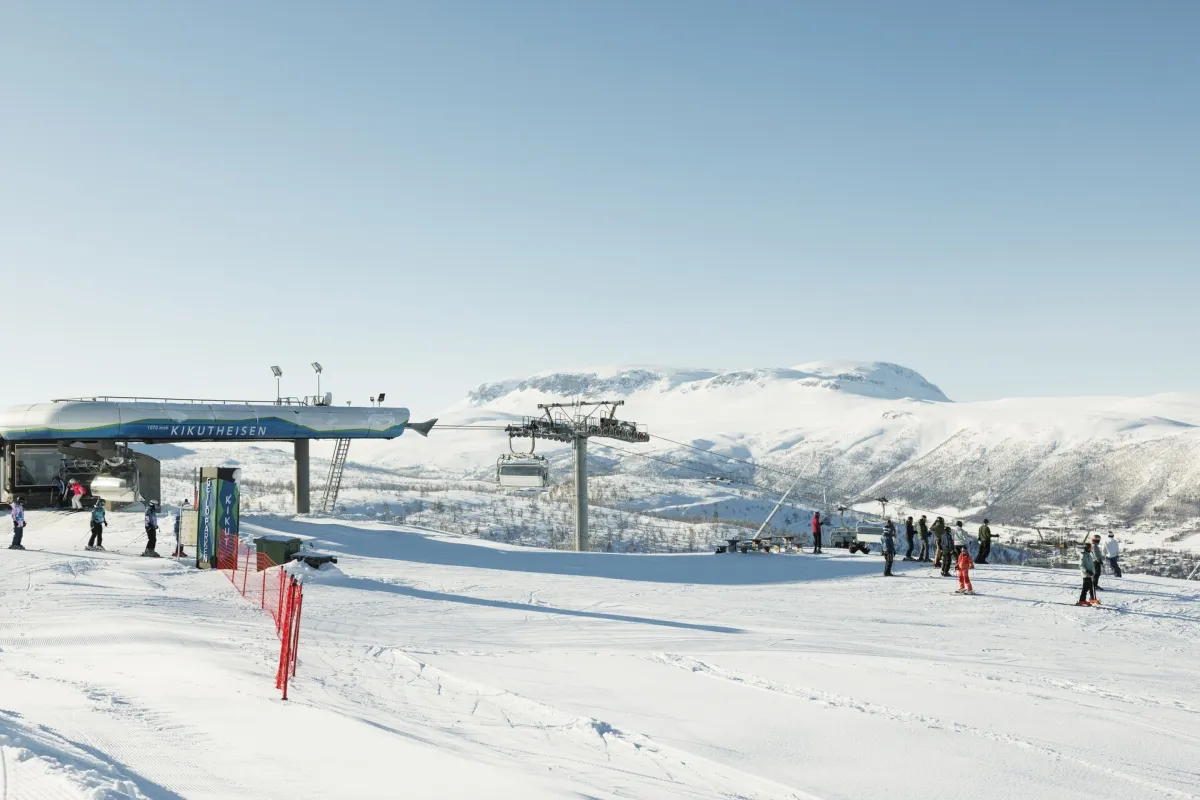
(275, 550)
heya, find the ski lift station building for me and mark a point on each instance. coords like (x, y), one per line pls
(86, 438)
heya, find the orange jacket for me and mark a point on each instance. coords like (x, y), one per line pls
(964, 561)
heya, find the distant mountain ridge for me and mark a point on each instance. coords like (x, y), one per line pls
(861, 429)
(876, 379)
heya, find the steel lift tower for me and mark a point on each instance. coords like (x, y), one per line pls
(576, 423)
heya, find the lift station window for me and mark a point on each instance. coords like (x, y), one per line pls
(38, 466)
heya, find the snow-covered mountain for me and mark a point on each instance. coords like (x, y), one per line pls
(855, 430)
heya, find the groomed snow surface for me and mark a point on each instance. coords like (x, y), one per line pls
(435, 666)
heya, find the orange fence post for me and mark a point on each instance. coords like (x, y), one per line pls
(296, 624)
(284, 672)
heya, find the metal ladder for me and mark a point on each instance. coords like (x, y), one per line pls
(334, 483)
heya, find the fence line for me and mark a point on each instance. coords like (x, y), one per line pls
(279, 594)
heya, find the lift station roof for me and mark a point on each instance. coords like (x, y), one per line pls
(141, 421)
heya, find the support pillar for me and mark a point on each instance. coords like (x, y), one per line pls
(301, 482)
(581, 496)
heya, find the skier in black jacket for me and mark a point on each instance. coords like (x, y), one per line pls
(889, 546)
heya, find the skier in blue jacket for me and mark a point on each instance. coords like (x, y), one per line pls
(18, 520)
(98, 523)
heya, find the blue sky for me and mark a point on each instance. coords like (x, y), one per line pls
(424, 196)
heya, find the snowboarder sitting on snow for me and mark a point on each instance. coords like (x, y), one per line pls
(909, 533)
(947, 550)
(1112, 550)
(985, 543)
(923, 531)
(18, 519)
(889, 546)
(965, 564)
(1088, 568)
(96, 540)
(151, 529)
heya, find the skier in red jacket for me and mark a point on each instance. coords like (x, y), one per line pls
(77, 492)
(816, 531)
(965, 565)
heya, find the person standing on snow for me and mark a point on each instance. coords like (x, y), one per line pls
(816, 531)
(151, 529)
(1112, 550)
(1088, 567)
(923, 532)
(18, 520)
(1098, 562)
(960, 536)
(965, 564)
(985, 543)
(99, 523)
(889, 546)
(76, 495)
(60, 491)
(948, 555)
(910, 533)
(937, 529)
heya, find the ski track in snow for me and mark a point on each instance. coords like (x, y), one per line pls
(529, 724)
(837, 701)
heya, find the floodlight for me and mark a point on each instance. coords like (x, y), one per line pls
(316, 365)
(381, 398)
(277, 372)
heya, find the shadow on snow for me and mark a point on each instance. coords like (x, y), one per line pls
(429, 547)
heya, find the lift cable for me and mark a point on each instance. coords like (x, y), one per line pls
(771, 492)
(850, 498)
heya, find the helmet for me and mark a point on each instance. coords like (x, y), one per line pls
(1096, 538)
(1110, 533)
(100, 501)
(19, 501)
(985, 521)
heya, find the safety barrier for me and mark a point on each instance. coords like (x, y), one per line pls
(262, 582)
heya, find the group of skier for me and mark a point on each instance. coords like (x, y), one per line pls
(98, 521)
(951, 547)
(952, 550)
(69, 490)
(1091, 565)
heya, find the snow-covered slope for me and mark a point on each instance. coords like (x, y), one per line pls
(860, 430)
(439, 666)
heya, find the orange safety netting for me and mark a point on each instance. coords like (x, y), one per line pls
(262, 582)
